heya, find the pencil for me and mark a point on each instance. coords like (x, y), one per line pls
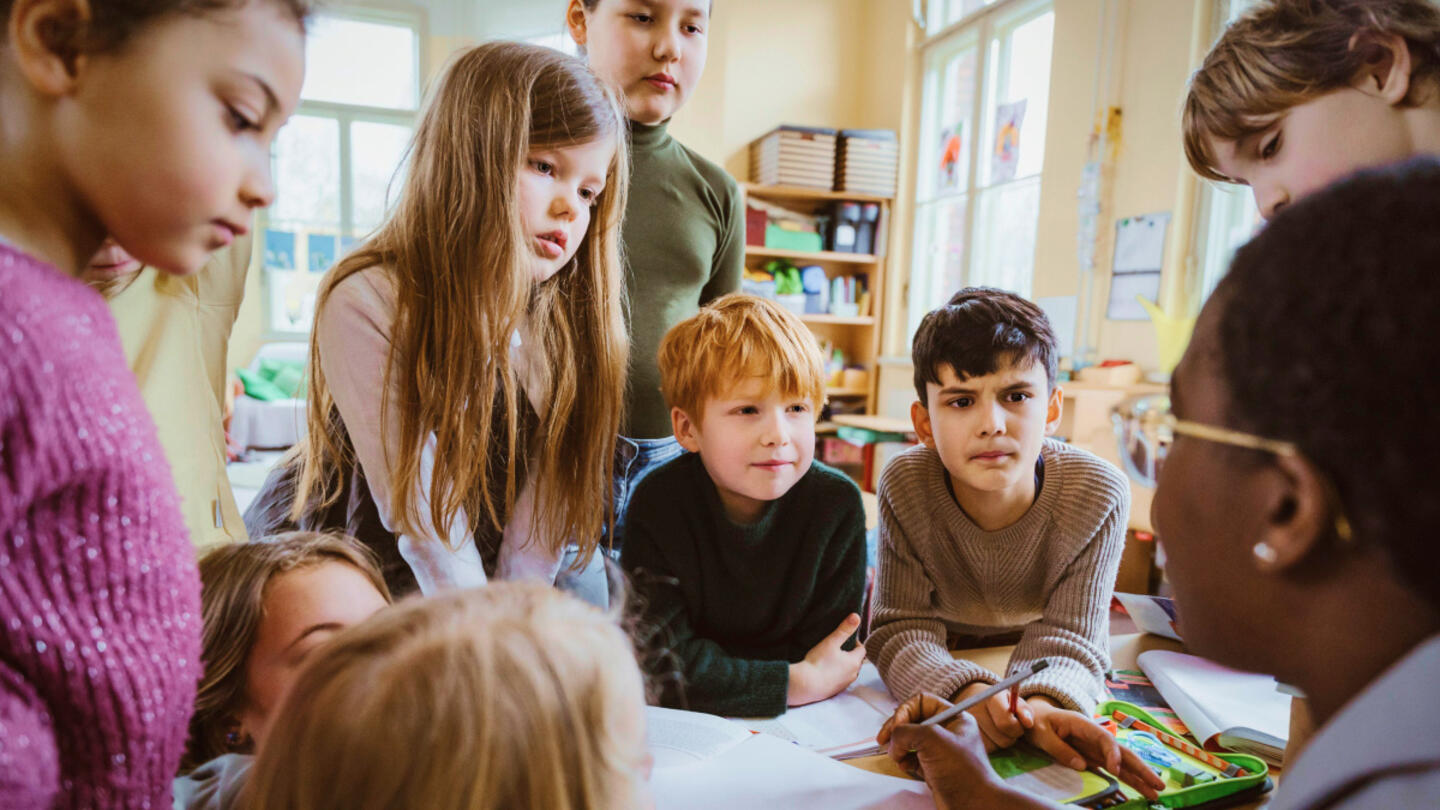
(1226, 767)
(1013, 680)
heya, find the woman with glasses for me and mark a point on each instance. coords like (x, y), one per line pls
(1297, 498)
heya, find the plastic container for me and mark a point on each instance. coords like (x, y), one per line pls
(795, 302)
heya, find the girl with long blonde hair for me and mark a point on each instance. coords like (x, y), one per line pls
(448, 428)
(515, 695)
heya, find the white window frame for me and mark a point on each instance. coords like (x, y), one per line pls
(976, 30)
(344, 115)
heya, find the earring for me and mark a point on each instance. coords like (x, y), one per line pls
(1264, 553)
(232, 737)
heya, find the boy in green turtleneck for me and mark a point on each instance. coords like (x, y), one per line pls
(683, 235)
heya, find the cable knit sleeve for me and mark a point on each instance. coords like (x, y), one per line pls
(1074, 632)
(907, 637)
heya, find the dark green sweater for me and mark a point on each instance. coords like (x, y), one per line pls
(684, 238)
(732, 606)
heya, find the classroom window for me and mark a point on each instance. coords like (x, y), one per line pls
(982, 149)
(338, 163)
(1228, 214)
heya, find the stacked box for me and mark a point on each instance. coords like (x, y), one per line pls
(866, 161)
(794, 156)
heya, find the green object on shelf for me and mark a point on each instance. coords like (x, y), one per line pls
(782, 239)
(258, 387)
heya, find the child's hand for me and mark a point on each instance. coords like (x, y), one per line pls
(998, 726)
(827, 669)
(1073, 739)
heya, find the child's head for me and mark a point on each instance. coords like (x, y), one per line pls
(985, 376)
(654, 50)
(149, 121)
(1350, 273)
(509, 217)
(266, 605)
(1298, 93)
(745, 381)
(512, 695)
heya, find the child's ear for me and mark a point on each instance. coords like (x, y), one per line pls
(45, 36)
(576, 21)
(686, 431)
(1386, 66)
(1054, 410)
(920, 418)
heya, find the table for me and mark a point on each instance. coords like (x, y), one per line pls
(1124, 649)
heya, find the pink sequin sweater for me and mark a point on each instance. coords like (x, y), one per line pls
(99, 595)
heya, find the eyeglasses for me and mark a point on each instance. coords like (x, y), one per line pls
(1146, 428)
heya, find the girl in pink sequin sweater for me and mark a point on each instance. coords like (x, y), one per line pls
(151, 121)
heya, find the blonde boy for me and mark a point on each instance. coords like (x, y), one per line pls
(1299, 93)
(748, 555)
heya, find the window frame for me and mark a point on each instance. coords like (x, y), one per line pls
(976, 31)
(345, 115)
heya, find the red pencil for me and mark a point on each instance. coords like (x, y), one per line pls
(1014, 698)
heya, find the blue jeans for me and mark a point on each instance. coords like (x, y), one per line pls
(635, 459)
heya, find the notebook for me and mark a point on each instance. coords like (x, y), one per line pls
(842, 727)
(1224, 708)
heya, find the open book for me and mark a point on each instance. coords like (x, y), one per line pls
(1224, 708)
(703, 762)
(841, 727)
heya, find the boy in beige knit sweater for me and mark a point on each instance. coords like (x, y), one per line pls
(989, 529)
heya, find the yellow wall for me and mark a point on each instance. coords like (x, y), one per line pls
(1151, 67)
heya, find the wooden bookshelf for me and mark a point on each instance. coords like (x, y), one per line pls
(859, 335)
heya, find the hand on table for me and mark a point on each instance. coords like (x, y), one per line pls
(952, 760)
(1074, 740)
(827, 669)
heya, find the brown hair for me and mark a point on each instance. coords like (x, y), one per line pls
(1285, 52)
(454, 248)
(733, 337)
(511, 695)
(233, 579)
(112, 23)
(976, 330)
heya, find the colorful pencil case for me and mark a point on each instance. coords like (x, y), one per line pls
(1210, 781)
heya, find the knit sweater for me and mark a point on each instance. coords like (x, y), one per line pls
(684, 236)
(732, 606)
(1051, 573)
(99, 595)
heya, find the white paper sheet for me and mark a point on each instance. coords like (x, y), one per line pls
(677, 738)
(842, 726)
(767, 772)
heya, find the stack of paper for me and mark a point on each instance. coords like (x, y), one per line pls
(794, 156)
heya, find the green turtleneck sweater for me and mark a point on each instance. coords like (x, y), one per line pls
(684, 238)
(727, 608)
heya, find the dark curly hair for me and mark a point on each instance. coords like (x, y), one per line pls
(977, 330)
(1325, 342)
(114, 22)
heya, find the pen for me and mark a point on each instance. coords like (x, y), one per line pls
(1009, 682)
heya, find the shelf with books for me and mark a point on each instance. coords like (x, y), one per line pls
(812, 257)
(857, 335)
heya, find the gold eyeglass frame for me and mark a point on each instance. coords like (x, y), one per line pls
(1148, 410)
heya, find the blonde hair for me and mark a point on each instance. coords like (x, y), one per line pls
(1286, 52)
(233, 581)
(734, 337)
(507, 696)
(455, 249)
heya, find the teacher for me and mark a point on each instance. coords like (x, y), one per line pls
(1300, 534)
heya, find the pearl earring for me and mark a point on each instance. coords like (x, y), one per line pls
(1264, 553)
